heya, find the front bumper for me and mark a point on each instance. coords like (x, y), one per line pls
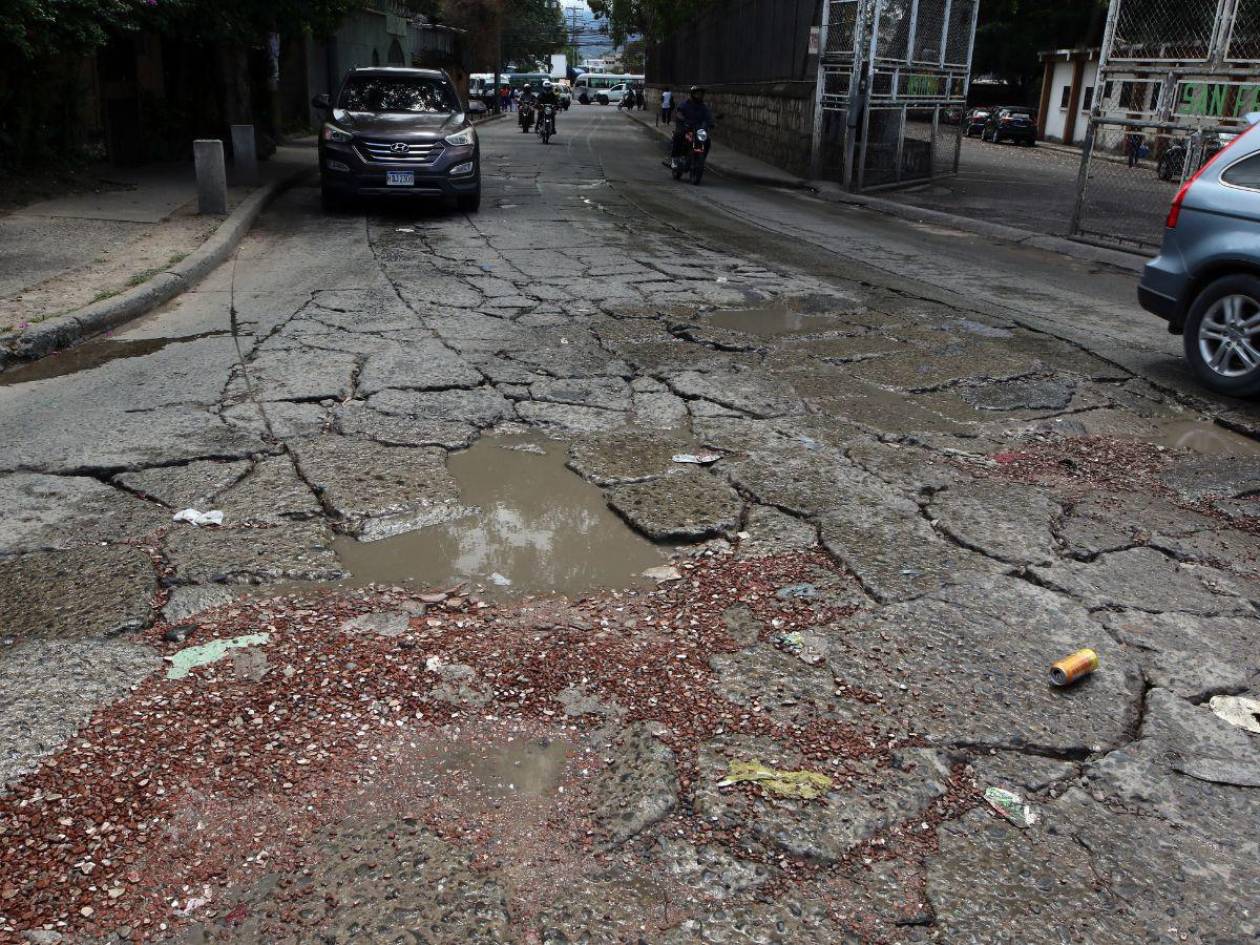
(369, 179)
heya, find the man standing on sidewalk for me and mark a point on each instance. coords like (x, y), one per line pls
(667, 106)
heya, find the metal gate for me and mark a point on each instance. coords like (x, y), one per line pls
(892, 90)
(1176, 80)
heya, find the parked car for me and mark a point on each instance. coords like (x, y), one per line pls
(612, 95)
(1011, 124)
(1206, 280)
(1172, 163)
(975, 121)
(398, 132)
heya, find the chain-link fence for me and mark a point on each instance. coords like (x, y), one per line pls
(893, 80)
(1177, 78)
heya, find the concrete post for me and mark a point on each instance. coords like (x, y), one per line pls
(244, 155)
(211, 176)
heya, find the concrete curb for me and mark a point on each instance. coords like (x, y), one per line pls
(66, 330)
(1017, 236)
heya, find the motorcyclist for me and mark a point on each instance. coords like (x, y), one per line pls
(691, 114)
(548, 96)
(528, 102)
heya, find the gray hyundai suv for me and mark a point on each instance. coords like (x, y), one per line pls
(1206, 280)
(398, 132)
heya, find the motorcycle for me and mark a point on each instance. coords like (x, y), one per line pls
(547, 123)
(1172, 163)
(695, 152)
(526, 117)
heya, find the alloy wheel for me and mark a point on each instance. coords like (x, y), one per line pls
(1229, 336)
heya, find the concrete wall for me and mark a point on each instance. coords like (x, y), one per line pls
(770, 121)
(1057, 112)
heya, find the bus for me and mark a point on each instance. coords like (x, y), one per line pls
(589, 84)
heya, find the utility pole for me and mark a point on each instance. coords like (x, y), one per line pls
(498, 65)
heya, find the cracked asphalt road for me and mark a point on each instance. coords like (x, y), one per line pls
(940, 466)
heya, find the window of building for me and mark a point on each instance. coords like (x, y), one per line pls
(1067, 97)
(1087, 100)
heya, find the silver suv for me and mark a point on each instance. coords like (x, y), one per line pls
(1206, 280)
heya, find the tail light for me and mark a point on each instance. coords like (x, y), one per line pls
(1174, 212)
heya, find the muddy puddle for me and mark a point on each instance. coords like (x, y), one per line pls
(520, 768)
(540, 529)
(1201, 436)
(772, 321)
(92, 354)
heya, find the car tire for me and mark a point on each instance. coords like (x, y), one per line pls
(1210, 310)
(469, 203)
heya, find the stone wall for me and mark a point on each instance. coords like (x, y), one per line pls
(769, 121)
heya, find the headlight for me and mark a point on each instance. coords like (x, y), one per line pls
(462, 138)
(702, 135)
(463, 170)
(333, 133)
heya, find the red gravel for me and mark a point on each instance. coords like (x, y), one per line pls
(210, 780)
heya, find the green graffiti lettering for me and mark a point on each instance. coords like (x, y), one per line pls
(1216, 104)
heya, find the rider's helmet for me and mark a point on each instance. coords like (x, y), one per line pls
(697, 91)
(548, 86)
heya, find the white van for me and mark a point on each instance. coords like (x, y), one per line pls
(593, 87)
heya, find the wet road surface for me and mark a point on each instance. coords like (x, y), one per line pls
(624, 484)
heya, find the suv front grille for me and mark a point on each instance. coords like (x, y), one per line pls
(382, 152)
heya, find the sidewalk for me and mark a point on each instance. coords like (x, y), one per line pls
(66, 254)
(728, 162)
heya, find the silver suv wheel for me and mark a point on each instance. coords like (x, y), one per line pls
(1229, 336)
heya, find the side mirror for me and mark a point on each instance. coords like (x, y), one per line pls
(322, 101)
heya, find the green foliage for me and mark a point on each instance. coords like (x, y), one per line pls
(651, 18)
(532, 29)
(37, 28)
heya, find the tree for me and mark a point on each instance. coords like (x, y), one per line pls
(532, 29)
(651, 18)
(1010, 33)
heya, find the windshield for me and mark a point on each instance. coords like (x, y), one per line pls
(397, 94)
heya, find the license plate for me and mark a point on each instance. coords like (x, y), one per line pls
(400, 178)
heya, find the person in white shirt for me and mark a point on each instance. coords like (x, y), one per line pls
(667, 106)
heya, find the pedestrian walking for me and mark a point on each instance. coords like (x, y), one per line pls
(639, 98)
(667, 106)
(1133, 143)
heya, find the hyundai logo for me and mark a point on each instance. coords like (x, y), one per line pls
(400, 147)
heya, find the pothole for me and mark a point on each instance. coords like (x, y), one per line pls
(773, 320)
(90, 355)
(538, 526)
(1202, 436)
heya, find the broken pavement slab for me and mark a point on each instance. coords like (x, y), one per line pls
(854, 811)
(420, 365)
(1142, 579)
(686, 507)
(39, 512)
(356, 420)
(625, 455)
(194, 485)
(967, 666)
(898, 559)
(49, 688)
(1000, 520)
(377, 491)
(637, 788)
(1188, 654)
(299, 552)
(83, 592)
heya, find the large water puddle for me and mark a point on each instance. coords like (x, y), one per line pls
(540, 529)
(774, 320)
(92, 354)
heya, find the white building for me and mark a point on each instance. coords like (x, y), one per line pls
(1067, 94)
